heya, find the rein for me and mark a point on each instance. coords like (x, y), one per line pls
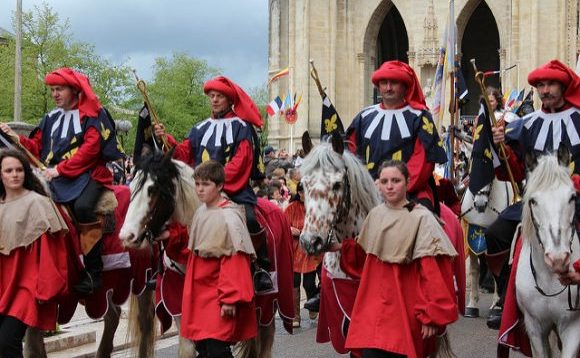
(571, 307)
(486, 193)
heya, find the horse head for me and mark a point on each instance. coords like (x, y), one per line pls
(549, 204)
(162, 189)
(481, 198)
(339, 192)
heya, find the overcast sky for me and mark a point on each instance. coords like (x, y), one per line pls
(229, 34)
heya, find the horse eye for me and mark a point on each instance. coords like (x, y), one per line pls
(533, 201)
(336, 187)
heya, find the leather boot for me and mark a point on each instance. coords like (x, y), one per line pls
(91, 278)
(296, 321)
(313, 304)
(261, 277)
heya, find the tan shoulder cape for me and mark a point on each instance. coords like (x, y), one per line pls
(220, 231)
(25, 219)
(400, 236)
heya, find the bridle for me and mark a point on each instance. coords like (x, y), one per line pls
(486, 193)
(571, 307)
(343, 209)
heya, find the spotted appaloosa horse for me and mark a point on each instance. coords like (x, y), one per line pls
(163, 191)
(339, 193)
(124, 275)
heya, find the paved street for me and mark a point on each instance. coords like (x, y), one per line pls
(469, 338)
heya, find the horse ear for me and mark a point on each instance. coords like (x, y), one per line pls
(168, 155)
(531, 160)
(564, 155)
(337, 143)
(306, 142)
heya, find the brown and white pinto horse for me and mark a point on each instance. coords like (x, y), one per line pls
(125, 272)
(163, 191)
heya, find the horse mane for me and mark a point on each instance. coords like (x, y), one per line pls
(362, 186)
(186, 193)
(175, 181)
(547, 175)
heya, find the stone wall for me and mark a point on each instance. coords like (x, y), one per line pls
(341, 36)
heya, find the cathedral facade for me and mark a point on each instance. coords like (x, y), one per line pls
(348, 39)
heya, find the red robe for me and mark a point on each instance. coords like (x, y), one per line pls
(211, 282)
(32, 278)
(394, 300)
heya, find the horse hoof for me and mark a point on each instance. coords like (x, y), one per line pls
(471, 312)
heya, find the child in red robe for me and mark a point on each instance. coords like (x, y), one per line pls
(406, 293)
(218, 296)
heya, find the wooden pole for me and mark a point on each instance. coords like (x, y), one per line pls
(18, 65)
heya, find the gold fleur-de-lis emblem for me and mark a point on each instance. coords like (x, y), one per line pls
(478, 131)
(487, 153)
(440, 143)
(205, 155)
(261, 166)
(427, 126)
(105, 132)
(571, 167)
(330, 124)
(398, 155)
(370, 165)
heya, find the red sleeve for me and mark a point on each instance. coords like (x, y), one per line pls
(34, 144)
(182, 150)
(352, 144)
(52, 267)
(352, 258)
(87, 156)
(420, 170)
(239, 168)
(436, 281)
(235, 280)
(176, 246)
(516, 165)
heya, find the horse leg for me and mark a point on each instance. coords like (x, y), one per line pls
(266, 340)
(570, 340)
(146, 324)
(186, 346)
(472, 310)
(111, 321)
(34, 343)
(539, 337)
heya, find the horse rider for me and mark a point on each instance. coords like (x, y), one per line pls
(399, 128)
(75, 141)
(556, 124)
(228, 137)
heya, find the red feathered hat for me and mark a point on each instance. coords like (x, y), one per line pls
(557, 71)
(400, 71)
(89, 104)
(244, 107)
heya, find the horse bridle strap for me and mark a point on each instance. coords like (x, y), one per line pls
(344, 208)
(571, 307)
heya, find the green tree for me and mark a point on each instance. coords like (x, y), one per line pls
(48, 44)
(260, 96)
(177, 92)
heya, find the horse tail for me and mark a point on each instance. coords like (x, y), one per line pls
(142, 325)
(444, 347)
(248, 349)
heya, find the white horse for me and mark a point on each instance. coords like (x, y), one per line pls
(482, 209)
(550, 246)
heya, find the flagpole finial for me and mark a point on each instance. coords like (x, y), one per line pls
(311, 61)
